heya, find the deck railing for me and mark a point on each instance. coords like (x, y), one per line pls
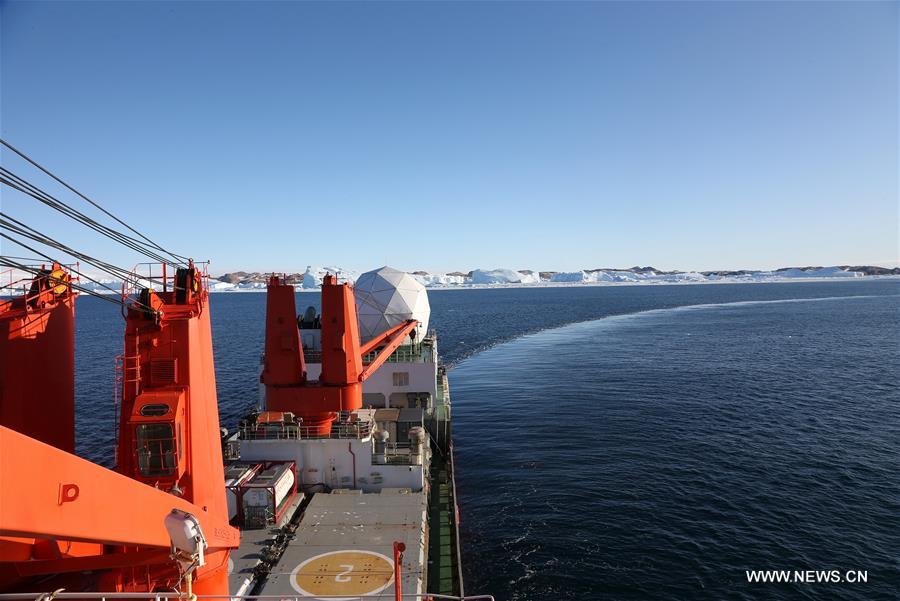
(159, 277)
(16, 282)
(420, 352)
(410, 353)
(342, 427)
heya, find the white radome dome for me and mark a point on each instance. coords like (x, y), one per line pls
(386, 298)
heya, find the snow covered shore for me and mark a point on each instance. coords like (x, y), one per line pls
(311, 279)
(508, 278)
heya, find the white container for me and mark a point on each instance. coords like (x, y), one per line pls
(265, 496)
(235, 476)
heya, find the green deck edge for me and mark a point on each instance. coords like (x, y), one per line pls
(442, 568)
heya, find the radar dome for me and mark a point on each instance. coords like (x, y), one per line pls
(386, 298)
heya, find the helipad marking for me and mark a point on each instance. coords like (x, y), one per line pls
(350, 572)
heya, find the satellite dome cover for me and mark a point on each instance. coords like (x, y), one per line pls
(386, 298)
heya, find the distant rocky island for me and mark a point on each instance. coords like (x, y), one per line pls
(312, 277)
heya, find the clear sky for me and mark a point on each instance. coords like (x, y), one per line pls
(445, 136)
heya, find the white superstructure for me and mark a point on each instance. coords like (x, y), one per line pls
(378, 446)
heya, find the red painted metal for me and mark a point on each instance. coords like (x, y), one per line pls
(399, 548)
(37, 382)
(99, 513)
(80, 564)
(168, 450)
(341, 357)
(379, 340)
(284, 363)
(37, 359)
(186, 458)
(390, 340)
(339, 387)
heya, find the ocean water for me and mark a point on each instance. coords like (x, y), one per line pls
(660, 454)
(636, 442)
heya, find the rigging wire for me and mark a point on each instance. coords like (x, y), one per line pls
(94, 204)
(36, 271)
(70, 268)
(29, 232)
(26, 187)
(17, 230)
(41, 196)
(30, 259)
(52, 260)
(32, 234)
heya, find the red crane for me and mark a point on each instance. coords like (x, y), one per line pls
(37, 356)
(339, 388)
(160, 520)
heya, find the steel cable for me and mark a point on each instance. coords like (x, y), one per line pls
(115, 271)
(25, 187)
(94, 204)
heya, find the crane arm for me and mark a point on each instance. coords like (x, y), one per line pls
(391, 339)
(365, 349)
(62, 496)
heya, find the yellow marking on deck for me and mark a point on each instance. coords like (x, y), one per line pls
(351, 572)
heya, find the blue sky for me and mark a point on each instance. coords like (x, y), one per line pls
(446, 136)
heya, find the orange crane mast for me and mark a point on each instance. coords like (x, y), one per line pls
(37, 334)
(159, 521)
(339, 387)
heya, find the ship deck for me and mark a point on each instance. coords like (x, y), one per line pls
(344, 546)
(244, 560)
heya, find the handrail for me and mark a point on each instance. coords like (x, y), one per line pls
(458, 545)
(416, 353)
(164, 280)
(342, 428)
(28, 279)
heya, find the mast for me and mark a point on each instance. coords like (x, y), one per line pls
(37, 359)
(160, 520)
(340, 386)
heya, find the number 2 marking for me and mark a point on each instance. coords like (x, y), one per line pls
(343, 577)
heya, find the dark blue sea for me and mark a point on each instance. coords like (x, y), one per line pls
(637, 442)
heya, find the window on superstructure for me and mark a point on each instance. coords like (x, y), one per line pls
(155, 445)
(401, 378)
(154, 410)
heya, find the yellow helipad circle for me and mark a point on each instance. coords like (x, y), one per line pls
(350, 572)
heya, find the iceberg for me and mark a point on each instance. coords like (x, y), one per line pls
(570, 276)
(310, 279)
(496, 276)
(439, 279)
(217, 286)
(529, 277)
(687, 276)
(597, 276)
(313, 276)
(630, 276)
(101, 285)
(824, 272)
